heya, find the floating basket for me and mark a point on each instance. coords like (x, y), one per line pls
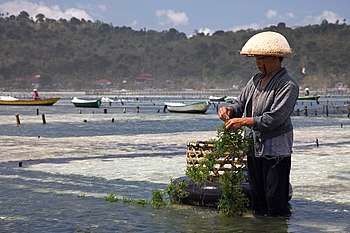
(209, 192)
(199, 150)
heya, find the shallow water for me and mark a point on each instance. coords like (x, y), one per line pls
(69, 166)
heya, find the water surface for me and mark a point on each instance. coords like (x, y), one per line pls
(69, 166)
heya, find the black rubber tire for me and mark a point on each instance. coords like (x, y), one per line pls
(209, 193)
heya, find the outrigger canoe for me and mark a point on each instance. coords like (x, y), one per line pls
(8, 100)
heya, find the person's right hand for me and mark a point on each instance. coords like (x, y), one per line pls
(224, 113)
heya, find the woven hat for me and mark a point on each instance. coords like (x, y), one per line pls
(267, 44)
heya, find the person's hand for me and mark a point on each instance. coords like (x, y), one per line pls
(224, 113)
(233, 124)
(236, 123)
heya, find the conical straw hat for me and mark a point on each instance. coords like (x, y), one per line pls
(267, 44)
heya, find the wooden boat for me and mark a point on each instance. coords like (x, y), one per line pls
(8, 100)
(217, 98)
(82, 103)
(190, 107)
(314, 97)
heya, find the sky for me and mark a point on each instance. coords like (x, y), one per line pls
(188, 16)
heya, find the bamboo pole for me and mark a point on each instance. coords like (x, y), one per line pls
(18, 122)
(43, 117)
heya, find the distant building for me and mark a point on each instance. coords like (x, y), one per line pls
(103, 82)
(145, 77)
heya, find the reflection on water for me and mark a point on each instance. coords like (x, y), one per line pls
(70, 165)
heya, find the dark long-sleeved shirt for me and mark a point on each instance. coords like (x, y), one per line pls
(273, 108)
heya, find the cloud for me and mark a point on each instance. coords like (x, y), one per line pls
(133, 23)
(102, 7)
(271, 13)
(330, 16)
(246, 26)
(206, 31)
(93, 9)
(52, 12)
(171, 17)
(290, 15)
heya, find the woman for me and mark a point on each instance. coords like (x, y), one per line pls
(35, 94)
(265, 106)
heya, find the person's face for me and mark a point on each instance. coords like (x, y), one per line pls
(264, 63)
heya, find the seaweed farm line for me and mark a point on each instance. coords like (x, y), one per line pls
(54, 176)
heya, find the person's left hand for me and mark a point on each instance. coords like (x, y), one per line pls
(233, 124)
(236, 123)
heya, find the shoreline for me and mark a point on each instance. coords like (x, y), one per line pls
(158, 93)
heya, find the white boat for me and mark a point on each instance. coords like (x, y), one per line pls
(8, 98)
(230, 99)
(189, 107)
(107, 100)
(96, 103)
(217, 98)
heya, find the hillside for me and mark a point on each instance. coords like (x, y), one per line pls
(74, 54)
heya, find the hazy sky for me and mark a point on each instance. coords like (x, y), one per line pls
(188, 15)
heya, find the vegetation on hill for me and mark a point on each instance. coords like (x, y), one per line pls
(57, 54)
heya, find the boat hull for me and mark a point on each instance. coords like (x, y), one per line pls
(217, 98)
(230, 99)
(198, 107)
(41, 102)
(316, 97)
(86, 103)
